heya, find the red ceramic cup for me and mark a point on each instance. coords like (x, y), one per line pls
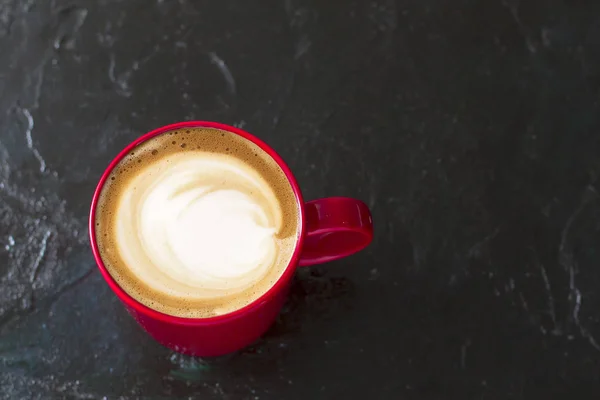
(331, 228)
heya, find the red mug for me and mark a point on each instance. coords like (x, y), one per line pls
(330, 228)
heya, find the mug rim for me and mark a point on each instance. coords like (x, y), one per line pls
(273, 290)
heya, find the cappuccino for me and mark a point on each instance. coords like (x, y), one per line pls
(197, 222)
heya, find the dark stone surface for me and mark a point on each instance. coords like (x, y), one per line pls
(470, 127)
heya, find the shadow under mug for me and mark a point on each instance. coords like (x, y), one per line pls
(330, 228)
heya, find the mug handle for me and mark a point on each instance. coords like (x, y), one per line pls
(335, 227)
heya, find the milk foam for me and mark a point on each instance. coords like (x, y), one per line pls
(198, 225)
(197, 222)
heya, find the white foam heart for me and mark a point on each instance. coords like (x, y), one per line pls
(205, 223)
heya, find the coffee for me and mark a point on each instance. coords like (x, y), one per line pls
(196, 222)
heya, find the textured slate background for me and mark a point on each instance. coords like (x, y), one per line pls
(470, 127)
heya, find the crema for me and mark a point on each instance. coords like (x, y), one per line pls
(197, 222)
